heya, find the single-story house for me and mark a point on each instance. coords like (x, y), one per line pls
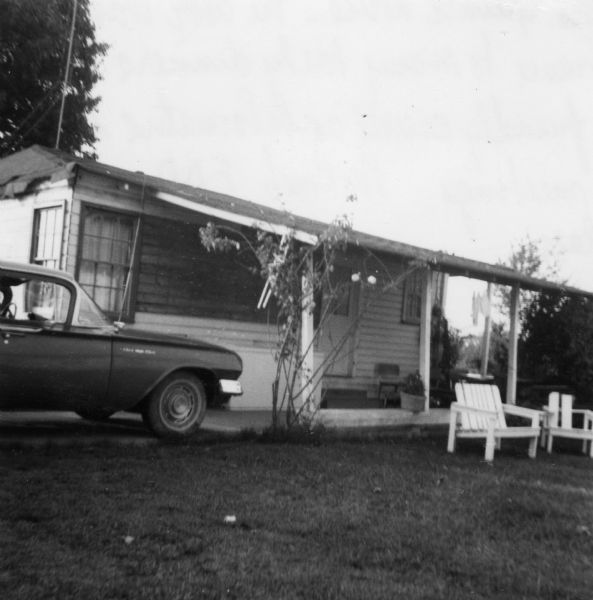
(132, 240)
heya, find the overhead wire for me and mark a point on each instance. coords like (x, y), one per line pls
(13, 138)
(66, 73)
(47, 96)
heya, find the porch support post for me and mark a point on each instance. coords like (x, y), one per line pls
(513, 343)
(425, 322)
(307, 339)
(486, 338)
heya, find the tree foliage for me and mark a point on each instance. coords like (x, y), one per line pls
(34, 38)
(526, 257)
(556, 343)
(556, 337)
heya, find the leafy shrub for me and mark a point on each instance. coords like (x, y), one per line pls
(556, 341)
(413, 384)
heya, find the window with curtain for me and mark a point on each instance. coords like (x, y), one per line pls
(412, 308)
(106, 244)
(47, 237)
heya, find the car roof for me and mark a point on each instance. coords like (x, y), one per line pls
(33, 269)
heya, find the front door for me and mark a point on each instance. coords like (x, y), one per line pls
(339, 324)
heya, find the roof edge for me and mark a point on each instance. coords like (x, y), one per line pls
(258, 213)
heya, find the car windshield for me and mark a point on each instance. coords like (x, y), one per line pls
(88, 313)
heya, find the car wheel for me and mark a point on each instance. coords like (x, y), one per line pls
(177, 406)
(94, 414)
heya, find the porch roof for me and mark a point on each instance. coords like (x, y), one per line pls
(22, 170)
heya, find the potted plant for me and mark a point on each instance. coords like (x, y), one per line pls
(412, 393)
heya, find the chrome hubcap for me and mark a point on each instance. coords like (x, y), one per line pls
(179, 405)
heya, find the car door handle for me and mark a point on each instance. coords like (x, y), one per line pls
(19, 332)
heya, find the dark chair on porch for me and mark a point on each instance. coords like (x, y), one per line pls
(388, 380)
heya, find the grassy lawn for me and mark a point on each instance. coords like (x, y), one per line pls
(395, 518)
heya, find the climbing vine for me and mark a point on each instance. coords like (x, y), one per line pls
(300, 279)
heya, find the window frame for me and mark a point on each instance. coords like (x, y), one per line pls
(128, 311)
(58, 232)
(413, 286)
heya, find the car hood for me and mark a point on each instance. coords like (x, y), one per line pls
(153, 337)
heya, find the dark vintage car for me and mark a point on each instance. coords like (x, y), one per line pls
(58, 351)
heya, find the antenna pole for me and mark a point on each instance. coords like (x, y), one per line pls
(66, 74)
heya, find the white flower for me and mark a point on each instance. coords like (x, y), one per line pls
(355, 277)
(372, 279)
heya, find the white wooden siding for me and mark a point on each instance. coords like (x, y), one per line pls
(253, 342)
(16, 225)
(218, 331)
(72, 226)
(17, 216)
(382, 337)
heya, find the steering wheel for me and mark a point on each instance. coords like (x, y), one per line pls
(5, 310)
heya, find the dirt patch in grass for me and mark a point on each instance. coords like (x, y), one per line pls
(390, 518)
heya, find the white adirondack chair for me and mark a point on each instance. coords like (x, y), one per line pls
(559, 422)
(480, 413)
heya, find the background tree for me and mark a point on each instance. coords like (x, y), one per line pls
(471, 352)
(526, 257)
(34, 39)
(556, 336)
(556, 342)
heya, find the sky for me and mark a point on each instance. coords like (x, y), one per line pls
(460, 125)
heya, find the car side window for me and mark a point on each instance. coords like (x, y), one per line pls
(46, 301)
(36, 299)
